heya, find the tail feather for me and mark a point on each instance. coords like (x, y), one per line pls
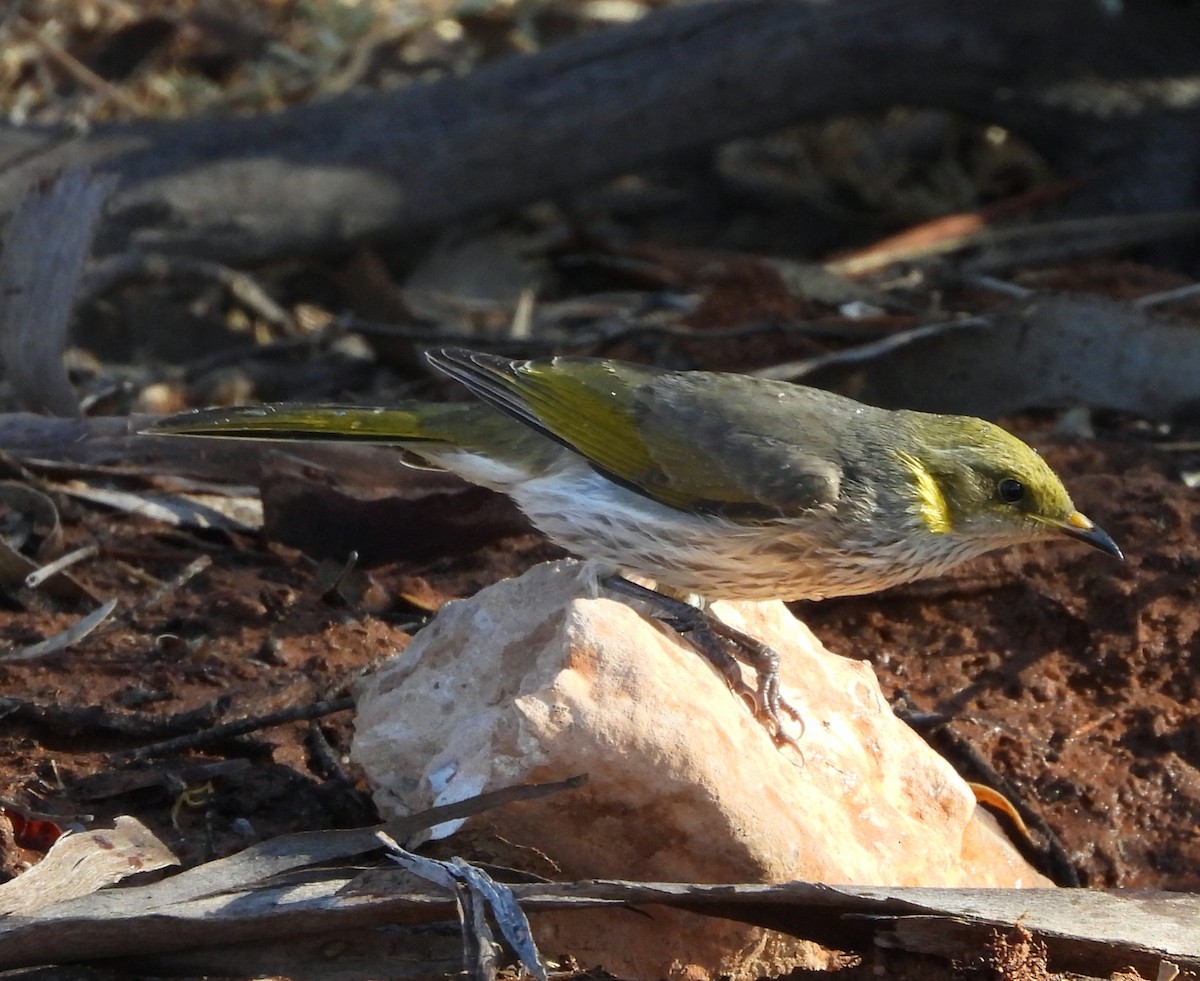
(402, 424)
(468, 438)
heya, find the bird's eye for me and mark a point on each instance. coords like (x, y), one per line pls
(1011, 490)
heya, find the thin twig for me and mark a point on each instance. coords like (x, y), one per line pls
(402, 828)
(189, 572)
(240, 727)
(996, 285)
(42, 573)
(1168, 296)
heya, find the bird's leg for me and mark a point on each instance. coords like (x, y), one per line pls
(717, 640)
(684, 618)
(726, 648)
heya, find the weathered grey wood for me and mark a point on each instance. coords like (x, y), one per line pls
(327, 175)
(1085, 930)
(44, 248)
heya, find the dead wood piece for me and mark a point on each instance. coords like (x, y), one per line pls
(222, 512)
(78, 865)
(271, 861)
(330, 174)
(428, 953)
(219, 904)
(113, 783)
(45, 246)
(93, 720)
(240, 727)
(1049, 351)
(477, 894)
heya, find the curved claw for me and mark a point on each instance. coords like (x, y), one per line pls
(726, 648)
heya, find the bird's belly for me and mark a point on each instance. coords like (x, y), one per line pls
(810, 558)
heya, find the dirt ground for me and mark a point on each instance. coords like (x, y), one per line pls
(1071, 674)
(1059, 676)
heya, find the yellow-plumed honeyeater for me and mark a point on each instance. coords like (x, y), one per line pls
(719, 485)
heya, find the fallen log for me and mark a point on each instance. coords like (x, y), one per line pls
(1088, 86)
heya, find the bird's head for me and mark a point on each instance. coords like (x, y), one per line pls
(974, 480)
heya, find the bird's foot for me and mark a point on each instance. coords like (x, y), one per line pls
(726, 648)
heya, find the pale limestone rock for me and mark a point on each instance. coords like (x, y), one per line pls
(534, 679)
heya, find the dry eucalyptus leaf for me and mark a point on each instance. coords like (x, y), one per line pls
(72, 635)
(41, 513)
(79, 864)
(205, 511)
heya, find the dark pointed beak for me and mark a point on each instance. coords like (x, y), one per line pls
(1082, 529)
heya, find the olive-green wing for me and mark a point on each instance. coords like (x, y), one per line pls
(717, 443)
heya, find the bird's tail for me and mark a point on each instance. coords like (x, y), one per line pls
(468, 438)
(402, 424)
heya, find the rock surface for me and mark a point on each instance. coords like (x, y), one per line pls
(534, 679)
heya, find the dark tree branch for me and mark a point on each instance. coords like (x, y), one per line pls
(329, 174)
